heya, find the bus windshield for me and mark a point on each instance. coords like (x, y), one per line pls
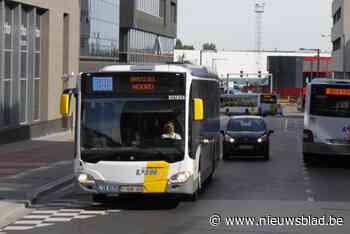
(132, 129)
(331, 101)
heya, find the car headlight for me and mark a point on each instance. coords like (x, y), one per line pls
(86, 179)
(229, 139)
(262, 139)
(181, 177)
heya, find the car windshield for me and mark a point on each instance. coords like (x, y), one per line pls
(146, 128)
(246, 125)
(330, 101)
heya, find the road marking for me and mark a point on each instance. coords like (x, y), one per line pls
(307, 178)
(64, 215)
(286, 125)
(84, 216)
(88, 212)
(71, 210)
(113, 211)
(311, 199)
(44, 212)
(28, 222)
(18, 228)
(57, 220)
(36, 216)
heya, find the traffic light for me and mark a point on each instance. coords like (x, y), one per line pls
(259, 74)
(241, 74)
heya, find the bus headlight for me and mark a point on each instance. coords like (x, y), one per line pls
(86, 179)
(181, 177)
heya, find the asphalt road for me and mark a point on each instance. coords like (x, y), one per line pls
(280, 187)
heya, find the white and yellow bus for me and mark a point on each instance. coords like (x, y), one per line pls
(327, 119)
(235, 104)
(146, 129)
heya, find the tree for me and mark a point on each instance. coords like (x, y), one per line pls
(188, 47)
(209, 46)
(180, 46)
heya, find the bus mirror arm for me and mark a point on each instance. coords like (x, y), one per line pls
(73, 92)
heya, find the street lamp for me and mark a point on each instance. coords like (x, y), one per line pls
(318, 50)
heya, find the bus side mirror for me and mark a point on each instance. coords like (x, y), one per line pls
(65, 104)
(198, 109)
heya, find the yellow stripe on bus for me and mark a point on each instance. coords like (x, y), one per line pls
(156, 182)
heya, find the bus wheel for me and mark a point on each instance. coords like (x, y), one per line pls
(194, 197)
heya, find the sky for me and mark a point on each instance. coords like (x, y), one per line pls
(230, 24)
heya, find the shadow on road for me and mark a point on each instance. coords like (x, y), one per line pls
(138, 203)
(330, 162)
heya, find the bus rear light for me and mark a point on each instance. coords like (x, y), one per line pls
(308, 136)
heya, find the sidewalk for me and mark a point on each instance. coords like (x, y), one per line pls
(31, 168)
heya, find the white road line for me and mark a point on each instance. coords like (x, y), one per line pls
(71, 210)
(311, 199)
(44, 212)
(57, 220)
(88, 212)
(28, 222)
(113, 211)
(64, 214)
(18, 228)
(36, 216)
(84, 217)
(286, 125)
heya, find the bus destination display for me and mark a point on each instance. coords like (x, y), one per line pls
(337, 92)
(102, 84)
(142, 83)
(129, 83)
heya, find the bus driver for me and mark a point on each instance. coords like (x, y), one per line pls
(169, 132)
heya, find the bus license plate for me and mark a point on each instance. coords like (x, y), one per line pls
(107, 188)
(131, 189)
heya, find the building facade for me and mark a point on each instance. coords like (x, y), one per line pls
(341, 38)
(148, 29)
(292, 73)
(39, 43)
(99, 40)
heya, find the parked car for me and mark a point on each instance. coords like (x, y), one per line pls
(246, 136)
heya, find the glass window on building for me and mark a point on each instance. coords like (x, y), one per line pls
(148, 47)
(100, 28)
(173, 12)
(8, 65)
(151, 7)
(37, 66)
(20, 73)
